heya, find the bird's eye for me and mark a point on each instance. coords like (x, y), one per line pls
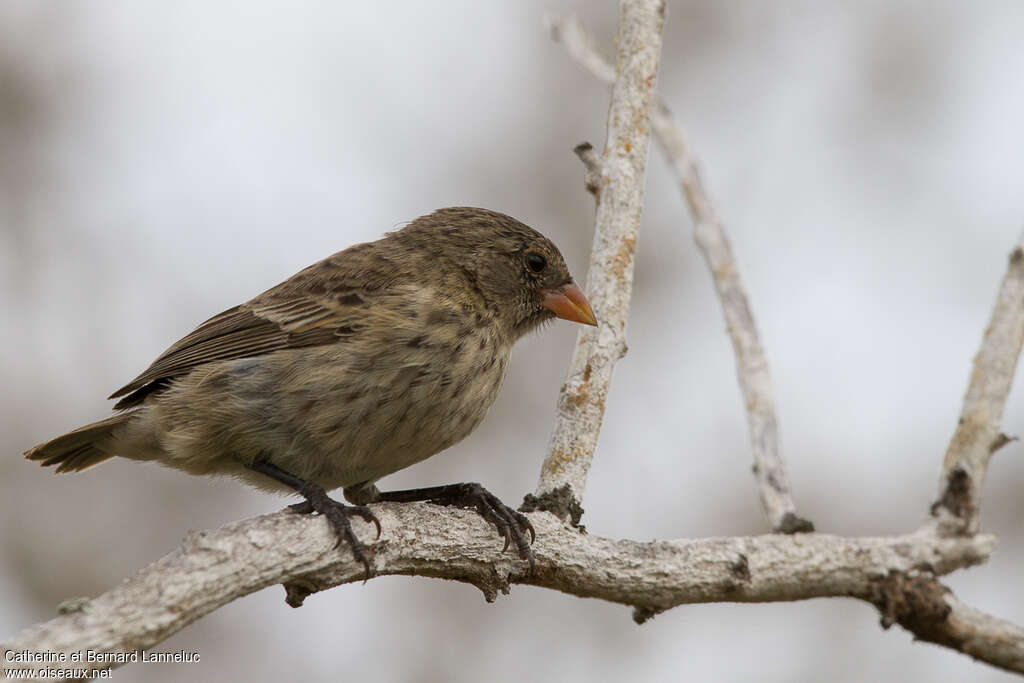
(535, 262)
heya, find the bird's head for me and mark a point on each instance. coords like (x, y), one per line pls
(518, 272)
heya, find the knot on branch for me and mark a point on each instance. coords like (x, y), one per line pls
(915, 601)
(491, 583)
(957, 502)
(297, 592)
(643, 614)
(740, 568)
(560, 502)
(791, 523)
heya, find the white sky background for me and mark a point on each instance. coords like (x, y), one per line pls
(160, 163)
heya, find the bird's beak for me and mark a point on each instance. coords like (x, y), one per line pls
(569, 302)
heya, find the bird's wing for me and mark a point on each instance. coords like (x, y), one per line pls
(320, 305)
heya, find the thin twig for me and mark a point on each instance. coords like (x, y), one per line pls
(594, 177)
(751, 365)
(610, 276)
(978, 435)
(212, 568)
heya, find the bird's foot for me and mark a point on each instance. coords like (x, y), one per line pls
(338, 514)
(511, 524)
(317, 500)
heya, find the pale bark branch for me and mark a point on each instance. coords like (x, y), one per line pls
(752, 369)
(212, 568)
(620, 193)
(751, 364)
(982, 636)
(921, 604)
(978, 435)
(955, 625)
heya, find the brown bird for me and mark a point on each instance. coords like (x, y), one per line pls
(360, 365)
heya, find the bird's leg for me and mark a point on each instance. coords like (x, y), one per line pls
(317, 500)
(512, 525)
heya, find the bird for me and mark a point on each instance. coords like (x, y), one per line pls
(373, 359)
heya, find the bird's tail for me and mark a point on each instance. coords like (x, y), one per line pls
(80, 449)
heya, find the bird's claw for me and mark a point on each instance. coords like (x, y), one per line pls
(512, 525)
(337, 514)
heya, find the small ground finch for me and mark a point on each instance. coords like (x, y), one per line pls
(362, 364)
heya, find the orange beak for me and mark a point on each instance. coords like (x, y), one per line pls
(569, 303)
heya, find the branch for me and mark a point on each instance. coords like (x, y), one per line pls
(977, 435)
(929, 610)
(610, 275)
(212, 568)
(594, 178)
(751, 365)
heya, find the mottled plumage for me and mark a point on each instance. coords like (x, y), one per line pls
(360, 365)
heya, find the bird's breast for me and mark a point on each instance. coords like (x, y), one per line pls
(407, 400)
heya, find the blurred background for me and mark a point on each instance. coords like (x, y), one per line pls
(162, 162)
